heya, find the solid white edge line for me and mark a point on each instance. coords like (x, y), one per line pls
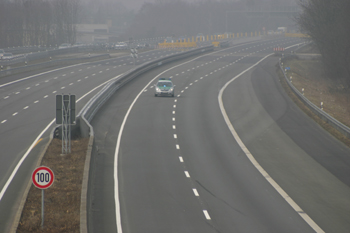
(285, 196)
(9, 180)
(116, 188)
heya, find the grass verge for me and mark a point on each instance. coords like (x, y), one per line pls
(62, 199)
(309, 75)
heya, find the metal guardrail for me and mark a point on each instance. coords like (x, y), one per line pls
(90, 109)
(320, 113)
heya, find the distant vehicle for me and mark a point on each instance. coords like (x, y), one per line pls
(140, 46)
(164, 87)
(1, 53)
(121, 45)
(78, 44)
(169, 40)
(7, 56)
(281, 30)
(64, 46)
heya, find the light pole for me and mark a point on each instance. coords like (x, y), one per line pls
(226, 22)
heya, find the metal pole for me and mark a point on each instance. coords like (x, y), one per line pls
(42, 208)
(63, 132)
(69, 129)
(226, 21)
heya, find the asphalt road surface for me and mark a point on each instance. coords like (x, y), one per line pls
(27, 103)
(163, 164)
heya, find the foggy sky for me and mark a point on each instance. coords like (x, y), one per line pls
(136, 4)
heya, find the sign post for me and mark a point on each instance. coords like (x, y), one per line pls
(42, 178)
(134, 54)
(65, 115)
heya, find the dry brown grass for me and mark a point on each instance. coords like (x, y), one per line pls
(62, 199)
(309, 74)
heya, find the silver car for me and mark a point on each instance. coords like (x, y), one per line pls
(7, 56)
(164, 87)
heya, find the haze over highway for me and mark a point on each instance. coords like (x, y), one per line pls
(28, 111)
(173, 164)
(203, 161)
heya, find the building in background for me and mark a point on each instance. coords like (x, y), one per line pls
(96, 33)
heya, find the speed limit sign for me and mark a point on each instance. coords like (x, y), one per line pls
(42, 177)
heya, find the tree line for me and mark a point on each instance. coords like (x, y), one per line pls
(327, 23)
(37, 22)
(183, 18)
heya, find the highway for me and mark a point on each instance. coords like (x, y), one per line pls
(172, 164)
(229, 153)
(27, 103)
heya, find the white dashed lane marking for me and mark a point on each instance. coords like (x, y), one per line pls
(195, 192)
(206, 214)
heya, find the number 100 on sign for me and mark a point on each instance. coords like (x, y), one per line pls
(42, 177)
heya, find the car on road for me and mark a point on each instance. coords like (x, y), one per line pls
(64, 46)
(164, 87)
(7, 56)
(121, 46)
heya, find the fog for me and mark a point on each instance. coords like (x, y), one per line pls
(52, 22)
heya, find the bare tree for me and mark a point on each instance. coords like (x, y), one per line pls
(65, 18)
(181, 18)
(37, 22)
(11, 22)
(327, 23)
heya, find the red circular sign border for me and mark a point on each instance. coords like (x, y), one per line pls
(43, 186)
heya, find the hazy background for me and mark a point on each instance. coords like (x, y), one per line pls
(136, 4)
(53, 22)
